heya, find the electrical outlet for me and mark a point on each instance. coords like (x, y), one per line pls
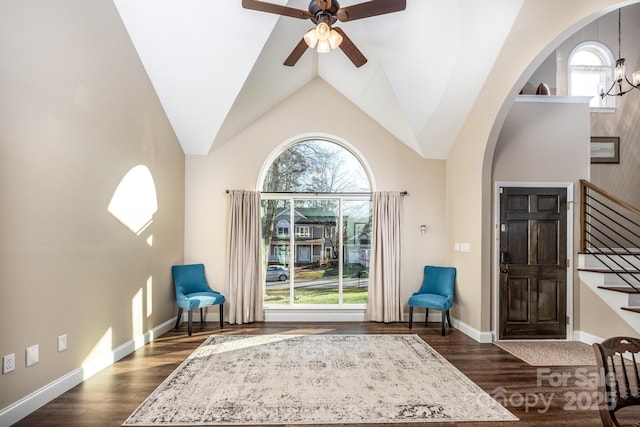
(32, 355)
(8, 363)
(62, 343)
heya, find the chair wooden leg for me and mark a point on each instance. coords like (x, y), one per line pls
(201, 316)
(426, 317)
(449, 319)
(179, 318)
(222, 315)
(190, 327)
(410, 317)
(443, 316)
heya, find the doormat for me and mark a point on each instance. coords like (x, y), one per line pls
(315, 379)
(550, 353)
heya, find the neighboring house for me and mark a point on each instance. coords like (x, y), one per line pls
(315, 239)
(314, 235)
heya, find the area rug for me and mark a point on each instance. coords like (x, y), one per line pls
(315, 379)
(550, 353)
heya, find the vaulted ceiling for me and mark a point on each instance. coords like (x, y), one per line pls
(217, 67)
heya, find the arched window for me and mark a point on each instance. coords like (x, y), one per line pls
(316, 166)
(316, 226)
(591, 67)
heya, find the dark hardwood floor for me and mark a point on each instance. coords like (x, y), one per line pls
(109, 397)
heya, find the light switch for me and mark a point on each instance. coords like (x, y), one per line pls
(33, 355)
(62, 342)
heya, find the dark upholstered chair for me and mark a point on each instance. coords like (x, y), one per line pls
(436, 292)
(193, 291)
(619, 382)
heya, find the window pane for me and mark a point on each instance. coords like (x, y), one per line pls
(316, 253)
(357, 248)
(591, 69)
(316, 166)
(587, 84)
(275, 239)
(586, 57)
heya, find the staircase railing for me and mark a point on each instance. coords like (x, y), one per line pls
(610, 232)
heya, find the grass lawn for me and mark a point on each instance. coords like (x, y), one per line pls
(317, 296)
(313, 271)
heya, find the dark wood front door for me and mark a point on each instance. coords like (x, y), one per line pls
(533, 263)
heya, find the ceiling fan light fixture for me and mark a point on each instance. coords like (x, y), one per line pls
(334, 39)
(323, 30)
(311, 38)
(324, 46)
(323, 14)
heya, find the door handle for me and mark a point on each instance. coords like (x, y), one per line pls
(504, 262)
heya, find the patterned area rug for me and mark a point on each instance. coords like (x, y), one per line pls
(315, 379)
(550, 353)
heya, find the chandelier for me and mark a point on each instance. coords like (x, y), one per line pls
(616, 88)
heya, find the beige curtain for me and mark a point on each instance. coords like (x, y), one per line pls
(244, 271)
(384, 303)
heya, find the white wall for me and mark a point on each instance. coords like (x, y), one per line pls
(623, 179)
(546, 139)
(77, 113)
(546, 74)
(316, 108)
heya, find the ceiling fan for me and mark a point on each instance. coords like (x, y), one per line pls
(325, 13)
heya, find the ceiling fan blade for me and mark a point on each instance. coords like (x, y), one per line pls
(275, 8)
(324, 4)
(370, 8)
(296, 53)
(350, 49)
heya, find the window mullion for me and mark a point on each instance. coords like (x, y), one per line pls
(340, 251)
(292, 252)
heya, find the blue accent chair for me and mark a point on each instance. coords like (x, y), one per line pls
(193, 291)
(436, 292)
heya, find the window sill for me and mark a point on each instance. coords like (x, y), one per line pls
(316, 313)
(603, 110)
(319, 307)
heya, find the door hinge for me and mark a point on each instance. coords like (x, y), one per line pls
(501, 190)
(568, 263)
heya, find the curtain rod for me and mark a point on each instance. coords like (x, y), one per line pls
(321, 193)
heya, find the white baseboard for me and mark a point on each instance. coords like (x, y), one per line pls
(481, 337)
(471, 332)
(586, 337)
(315, 315)
(28, 404)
